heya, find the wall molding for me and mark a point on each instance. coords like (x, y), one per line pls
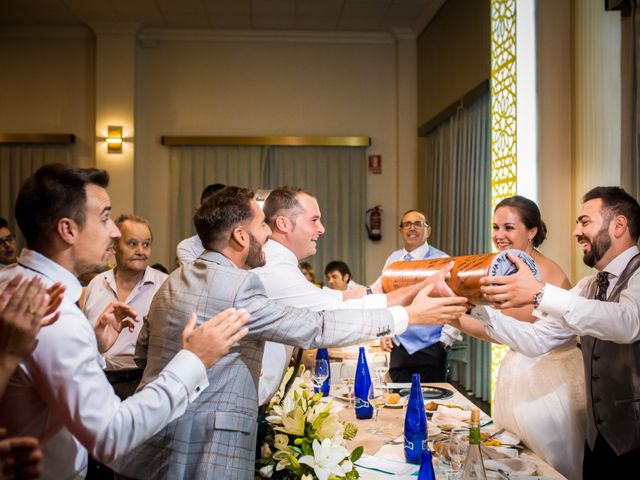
(45, 32)
(266, 36)
(290, 140)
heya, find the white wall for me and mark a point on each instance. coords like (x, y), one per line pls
(265, 85)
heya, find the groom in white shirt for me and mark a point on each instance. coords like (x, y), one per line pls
(605, 311)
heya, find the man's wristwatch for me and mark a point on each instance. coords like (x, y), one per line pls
(368, 291)
(537, 297)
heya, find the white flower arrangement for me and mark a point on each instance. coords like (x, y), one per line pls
(304, 437)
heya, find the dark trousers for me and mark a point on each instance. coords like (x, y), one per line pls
(124, 382)
(430, 363)
(602, 462)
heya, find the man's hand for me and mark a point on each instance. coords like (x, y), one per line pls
(114, 318)
(386, 344)
(20, 457)
(56, 294)
(215, 337)
(405, 295)
(426, 310)
(440, 287)
(22, 307)
(513, 291)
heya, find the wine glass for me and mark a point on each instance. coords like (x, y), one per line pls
(320, 373)
(458, 447)
(348, 374)
(381, 365)
(441, 453)
(378, 396)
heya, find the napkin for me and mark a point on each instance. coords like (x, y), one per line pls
(451, 416)
(386, 465)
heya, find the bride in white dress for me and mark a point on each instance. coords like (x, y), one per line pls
(541, 399)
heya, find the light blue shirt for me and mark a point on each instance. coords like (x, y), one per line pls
(418, 338)
(423, 252)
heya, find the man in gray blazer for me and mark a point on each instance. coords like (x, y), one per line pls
(216, 437)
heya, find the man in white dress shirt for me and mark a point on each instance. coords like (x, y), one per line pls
(420, 350)
(59, 394)
(605, 311)
(133, 282)
(295, 220)
(191, 248)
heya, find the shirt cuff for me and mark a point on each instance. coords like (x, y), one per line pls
(555, 302)
(190, 370)
(450, 335)
(377, 300)
(482, 314)
(400, 319)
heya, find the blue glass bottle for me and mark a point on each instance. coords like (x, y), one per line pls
(426, 466)
(361, 387)
(415, 423)
(323, 354)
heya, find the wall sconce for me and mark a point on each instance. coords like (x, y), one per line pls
(114, 139)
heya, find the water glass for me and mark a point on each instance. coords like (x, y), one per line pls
(348, 374)
(458, 447)
(381, 365)
(378, 396)
(320, 373)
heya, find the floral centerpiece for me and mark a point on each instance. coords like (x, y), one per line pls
(304, 438)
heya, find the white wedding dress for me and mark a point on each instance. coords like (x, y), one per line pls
(542, 400)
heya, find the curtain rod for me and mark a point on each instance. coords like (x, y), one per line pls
(291, 140)
(37, 138)
(467, 99)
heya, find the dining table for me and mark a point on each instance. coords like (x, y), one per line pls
(383, 457)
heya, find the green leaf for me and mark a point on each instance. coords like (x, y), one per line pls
(356, 454)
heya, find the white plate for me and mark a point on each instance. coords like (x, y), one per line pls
(512, 466)
(342, 394)
(507, 438)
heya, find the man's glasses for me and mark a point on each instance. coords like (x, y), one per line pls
(8, 239)
(416, 225)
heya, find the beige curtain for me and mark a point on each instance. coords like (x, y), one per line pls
(17, 163)
(337, 178)
(193, 168)
(335, 175)
(457, 178)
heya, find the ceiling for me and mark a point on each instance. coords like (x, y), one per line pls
(309, 15)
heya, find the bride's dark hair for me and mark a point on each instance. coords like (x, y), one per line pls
(529, 214)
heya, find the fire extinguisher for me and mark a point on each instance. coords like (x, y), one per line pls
(374, 223)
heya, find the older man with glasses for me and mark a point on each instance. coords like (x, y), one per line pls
(420, 349)
(7, 244)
